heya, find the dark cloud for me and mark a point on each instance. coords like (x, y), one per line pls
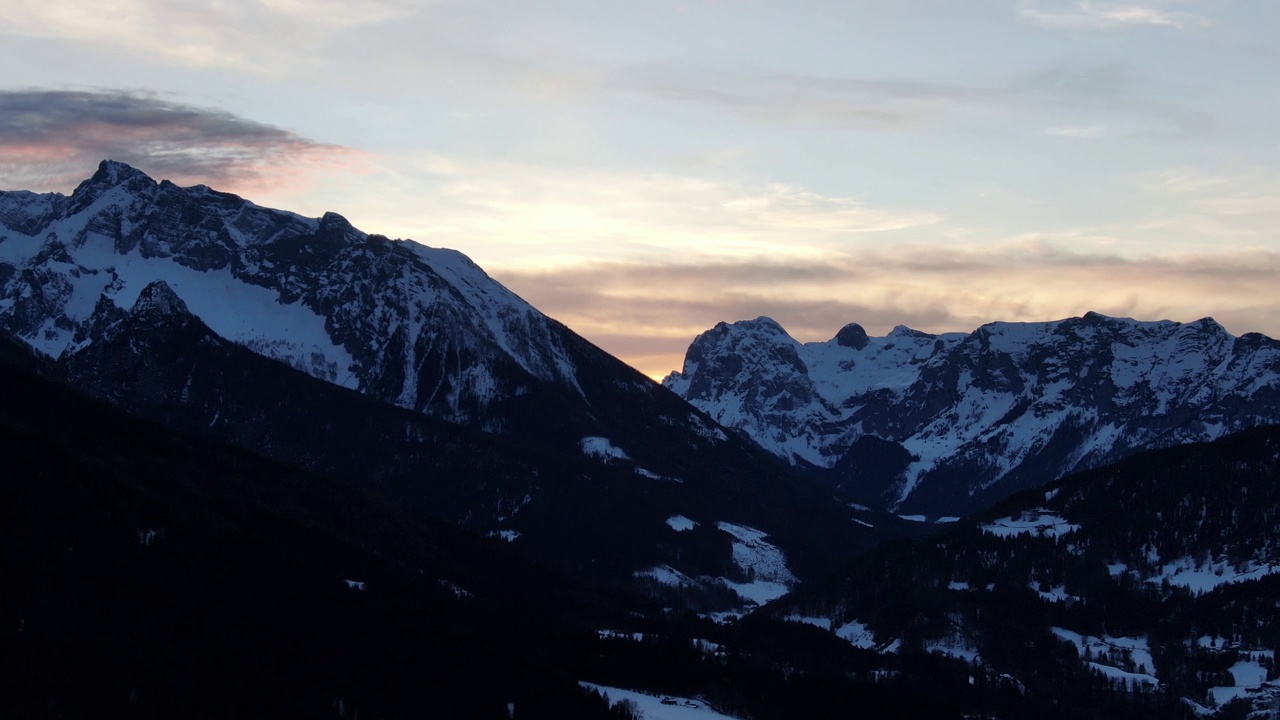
(49, 139)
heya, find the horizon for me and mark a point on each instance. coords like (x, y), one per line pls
(642, 173)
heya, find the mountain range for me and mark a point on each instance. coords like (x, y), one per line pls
(405, 367)
(275, 466)
(945, 425)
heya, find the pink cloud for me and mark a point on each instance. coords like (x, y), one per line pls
(51, 139)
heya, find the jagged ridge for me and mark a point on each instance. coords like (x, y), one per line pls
(979, 415)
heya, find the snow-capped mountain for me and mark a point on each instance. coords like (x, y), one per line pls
(944, 424)
(424, 328)
(319, 345)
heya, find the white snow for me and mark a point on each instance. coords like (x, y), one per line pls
(821, 622)
(945, 519)
(506, 316)
(767, 563)
(1057, 593)
(664, 707)
(508, 535)
(666, 575)
(1248, 673)
(1118, 674)
(680, 523)
(355, 585)
(601, 448)
(1034, 522)
(1109, 653)
(813, 414)
(857, 634)
(1202, 577)
(247, 314)
(914, 518)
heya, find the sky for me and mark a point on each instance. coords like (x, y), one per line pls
(642, 170)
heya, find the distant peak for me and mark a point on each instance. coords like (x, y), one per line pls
(334, 220)
(1097, 318)
(114, 172)
(852, 335)
(763, 322)
(110, 173)
(902, 331)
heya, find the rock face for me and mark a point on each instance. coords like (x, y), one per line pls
(421, 327)
(945, 424)
(395, 366)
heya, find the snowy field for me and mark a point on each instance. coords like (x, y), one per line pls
(654, 707)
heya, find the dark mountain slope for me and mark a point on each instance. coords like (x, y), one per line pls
(600, 519)
(1159, 575)
(154, 576)
(584, 458)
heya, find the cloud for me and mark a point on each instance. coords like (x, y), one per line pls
(1085, 132)
(52, 139)
(261, 36)
(508, 213)
(1089, 15)
(648, 313)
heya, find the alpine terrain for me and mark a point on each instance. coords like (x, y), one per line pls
(408, 369)
(265, 465)
(944, 425)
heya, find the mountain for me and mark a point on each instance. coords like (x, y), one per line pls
(152, 574)
(1152, 582)
(407, 370)
(947, 424)
(149, 574)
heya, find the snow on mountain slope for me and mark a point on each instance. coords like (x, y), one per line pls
(1009, 405)
(424, 328)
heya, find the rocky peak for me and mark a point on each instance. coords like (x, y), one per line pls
(110, 175)
(1021, 402)
(852, 336)
(158, 303)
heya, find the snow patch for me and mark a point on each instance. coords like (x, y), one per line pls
(1110, 655)
(666, 575)
(680, 523)
(601, 448)
(857, 634)
(1203, 577)
(819, 622)
(763, 562)
(1033, 522)
(664, 707)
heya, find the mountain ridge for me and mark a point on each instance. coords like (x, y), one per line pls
(185, 305)
(1010, 404)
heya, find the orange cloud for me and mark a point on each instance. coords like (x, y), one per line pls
(648, 313)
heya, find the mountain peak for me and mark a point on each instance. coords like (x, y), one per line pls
(763, 324)
(158, 301)
(110, 174)
(114, 172)
(852, 335)
(902, 331)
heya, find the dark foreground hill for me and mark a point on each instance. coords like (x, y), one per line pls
(149, 575)
(1156, 579)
